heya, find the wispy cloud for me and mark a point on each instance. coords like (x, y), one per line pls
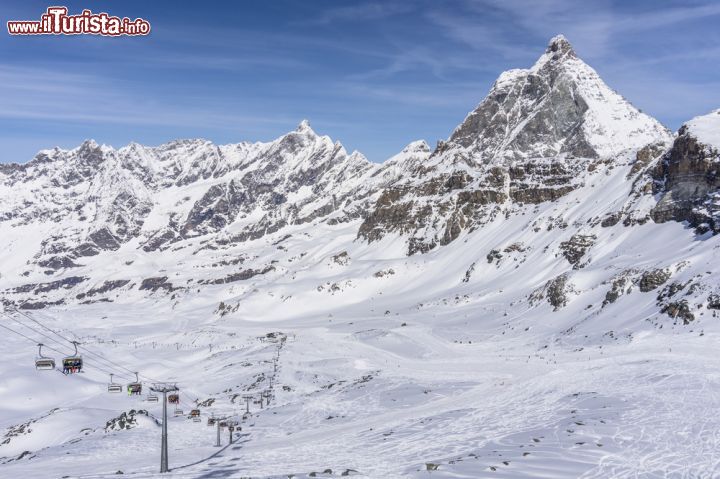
(360, 12)
(42, 94)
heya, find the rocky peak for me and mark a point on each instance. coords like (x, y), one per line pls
(304, 127)
(560, 106)
(531, 140)
(688, 176)
(558, 47)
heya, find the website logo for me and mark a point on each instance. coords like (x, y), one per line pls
(56, 21)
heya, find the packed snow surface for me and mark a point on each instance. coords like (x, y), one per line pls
(706, 128)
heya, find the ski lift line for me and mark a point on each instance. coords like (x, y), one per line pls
(42, 325)
(111, 366)
(34, 330)
(108, 362)
(85, 349)
(52, 339)
(45, 345)
(30, 339)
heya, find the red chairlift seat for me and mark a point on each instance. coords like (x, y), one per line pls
(73, 364)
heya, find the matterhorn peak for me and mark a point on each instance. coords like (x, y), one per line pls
(559, 107)
(558, 52)
(560, 45)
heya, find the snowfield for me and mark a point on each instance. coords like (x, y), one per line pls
(706, 129)
(389, 376)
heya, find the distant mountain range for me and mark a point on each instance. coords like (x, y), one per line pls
(547, 138)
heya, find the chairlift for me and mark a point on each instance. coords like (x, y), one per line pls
(135, 389)
(43, 362)
(114, 387)
(174, 399)
(194, 413)
(73, 364)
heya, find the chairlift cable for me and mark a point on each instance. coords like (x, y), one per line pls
(109, 365)
(30, 339)
(98, 367)
(34, 330)
(108, 362)
(44, 345)
(80, 346)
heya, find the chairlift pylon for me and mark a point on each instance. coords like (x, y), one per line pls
(114, 387)
(73, 364)
(135, 389)
(43, 362)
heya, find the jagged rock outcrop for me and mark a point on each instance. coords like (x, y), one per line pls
(688, 176)
(534, 138)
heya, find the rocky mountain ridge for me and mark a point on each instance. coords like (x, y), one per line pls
(531, 155)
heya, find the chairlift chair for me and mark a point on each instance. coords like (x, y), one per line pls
(135, 389)
(152, 398)
(73, 364)
(114, 387)
(196, 419)
(43, 362)
(179, 412)
(223, 424)
(174, 399)
(194, 413)
(211, 421)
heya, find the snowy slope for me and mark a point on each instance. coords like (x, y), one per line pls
(706, 129)
(548, 323)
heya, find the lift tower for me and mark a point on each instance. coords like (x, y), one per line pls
(164, 389)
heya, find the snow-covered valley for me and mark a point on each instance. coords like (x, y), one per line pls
(525, 300)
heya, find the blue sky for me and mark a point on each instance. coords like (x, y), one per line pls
(373, 74)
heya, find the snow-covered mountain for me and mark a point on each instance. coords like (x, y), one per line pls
(538, 135)
(535, 297)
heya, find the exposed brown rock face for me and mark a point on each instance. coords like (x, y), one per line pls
(556, 292)
(653, 279)
(575, 248)
(450, 203)
(688, 177)
(533, 139)
(485, 130)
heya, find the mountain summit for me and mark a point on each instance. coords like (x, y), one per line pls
(560, 106)
(531, 140)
